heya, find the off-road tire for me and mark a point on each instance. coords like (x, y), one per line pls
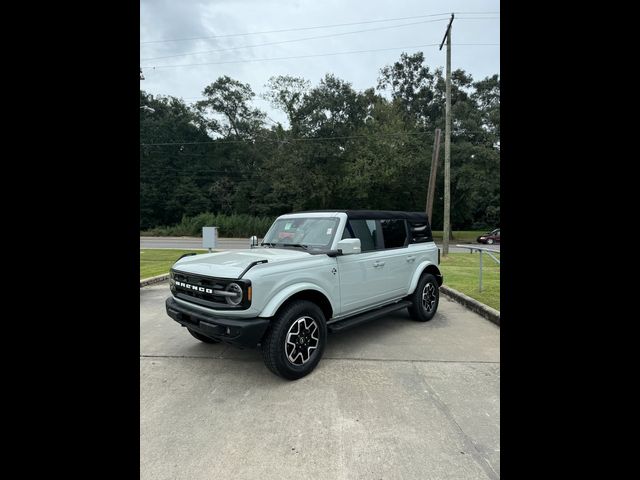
(298, 328)
(425, 299)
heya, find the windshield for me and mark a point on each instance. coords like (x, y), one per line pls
(316, 233)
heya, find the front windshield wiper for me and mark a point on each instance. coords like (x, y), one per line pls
(268, 244)
(306, 247)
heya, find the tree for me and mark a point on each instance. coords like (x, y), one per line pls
(230, 99)
(342, 148)
(162, 167)
(412, 85)
(287, 93)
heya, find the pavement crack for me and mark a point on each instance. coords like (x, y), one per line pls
(224, 351)
(468, 442)
(221, 356)
(182, 356)
(409, 360)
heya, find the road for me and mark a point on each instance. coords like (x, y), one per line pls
(390, 399)
(236, 243)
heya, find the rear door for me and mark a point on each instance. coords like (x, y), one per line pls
(396, 262)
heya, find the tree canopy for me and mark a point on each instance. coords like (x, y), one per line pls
(341, 149)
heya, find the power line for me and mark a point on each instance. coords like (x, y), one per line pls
(280, 42)
(312, 28)
(154, 67)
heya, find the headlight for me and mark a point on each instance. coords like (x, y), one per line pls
(237, 298)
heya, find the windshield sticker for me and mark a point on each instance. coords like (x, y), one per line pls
(287, 226)
(329, 230)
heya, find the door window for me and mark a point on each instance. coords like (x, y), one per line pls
(394, 233)
(365, 230)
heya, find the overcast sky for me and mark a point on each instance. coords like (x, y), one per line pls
(162, 20)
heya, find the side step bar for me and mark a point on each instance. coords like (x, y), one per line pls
(347, 323)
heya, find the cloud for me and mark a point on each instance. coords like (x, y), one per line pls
(168, 19)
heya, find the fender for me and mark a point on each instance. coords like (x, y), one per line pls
(416, 275)
(282, 296)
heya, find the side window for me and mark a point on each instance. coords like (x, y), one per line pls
(420, 232)
(394, 233)
(365, 230)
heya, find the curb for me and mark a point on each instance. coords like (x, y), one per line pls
(472, 304)
(151, 280)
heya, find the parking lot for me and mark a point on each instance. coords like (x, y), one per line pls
(392, 399)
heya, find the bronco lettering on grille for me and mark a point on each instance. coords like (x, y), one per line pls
(194, 287)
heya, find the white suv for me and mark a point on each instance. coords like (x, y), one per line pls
(314, 272)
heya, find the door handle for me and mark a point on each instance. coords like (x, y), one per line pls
(411, 259)
(378, 264)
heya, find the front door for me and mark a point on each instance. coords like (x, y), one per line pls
(362, 281)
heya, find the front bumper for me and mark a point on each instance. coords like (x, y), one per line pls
(242, 332)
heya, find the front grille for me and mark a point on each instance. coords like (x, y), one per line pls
(204, 290)
(200, 287)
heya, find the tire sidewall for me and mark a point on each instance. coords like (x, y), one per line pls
(417, 298)
(289, 315)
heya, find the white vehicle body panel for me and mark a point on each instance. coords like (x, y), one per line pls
(351, 283)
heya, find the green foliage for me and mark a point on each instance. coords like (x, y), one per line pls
(231, 226)
(342, 148)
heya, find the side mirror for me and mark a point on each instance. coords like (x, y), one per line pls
(349, 246)
(253, 242)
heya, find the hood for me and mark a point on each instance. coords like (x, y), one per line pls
(230, 264)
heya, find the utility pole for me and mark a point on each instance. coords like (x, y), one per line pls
(432, 176)
(447, 147)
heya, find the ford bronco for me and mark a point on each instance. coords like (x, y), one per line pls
(313, 273)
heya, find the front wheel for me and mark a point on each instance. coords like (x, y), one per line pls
(425, 299)
(490, 241)
(295, 340)
(201, 337)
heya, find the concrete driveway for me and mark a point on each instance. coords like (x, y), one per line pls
(393, 399)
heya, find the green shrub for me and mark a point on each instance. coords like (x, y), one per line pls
(229, 226)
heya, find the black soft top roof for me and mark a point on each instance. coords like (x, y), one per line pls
(386, 214)
(420, 217)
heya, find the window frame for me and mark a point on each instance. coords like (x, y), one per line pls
(380, 243)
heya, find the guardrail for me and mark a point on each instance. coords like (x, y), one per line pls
(481, 250)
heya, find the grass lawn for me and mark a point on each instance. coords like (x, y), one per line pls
(155, 261)
(461, 272)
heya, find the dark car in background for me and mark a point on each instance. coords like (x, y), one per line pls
(490, 237)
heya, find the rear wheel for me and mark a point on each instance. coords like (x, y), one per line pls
(425, 299)
(201, 337)
(295, 341)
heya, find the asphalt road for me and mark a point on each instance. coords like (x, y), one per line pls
(236, 243)
(390, 399)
